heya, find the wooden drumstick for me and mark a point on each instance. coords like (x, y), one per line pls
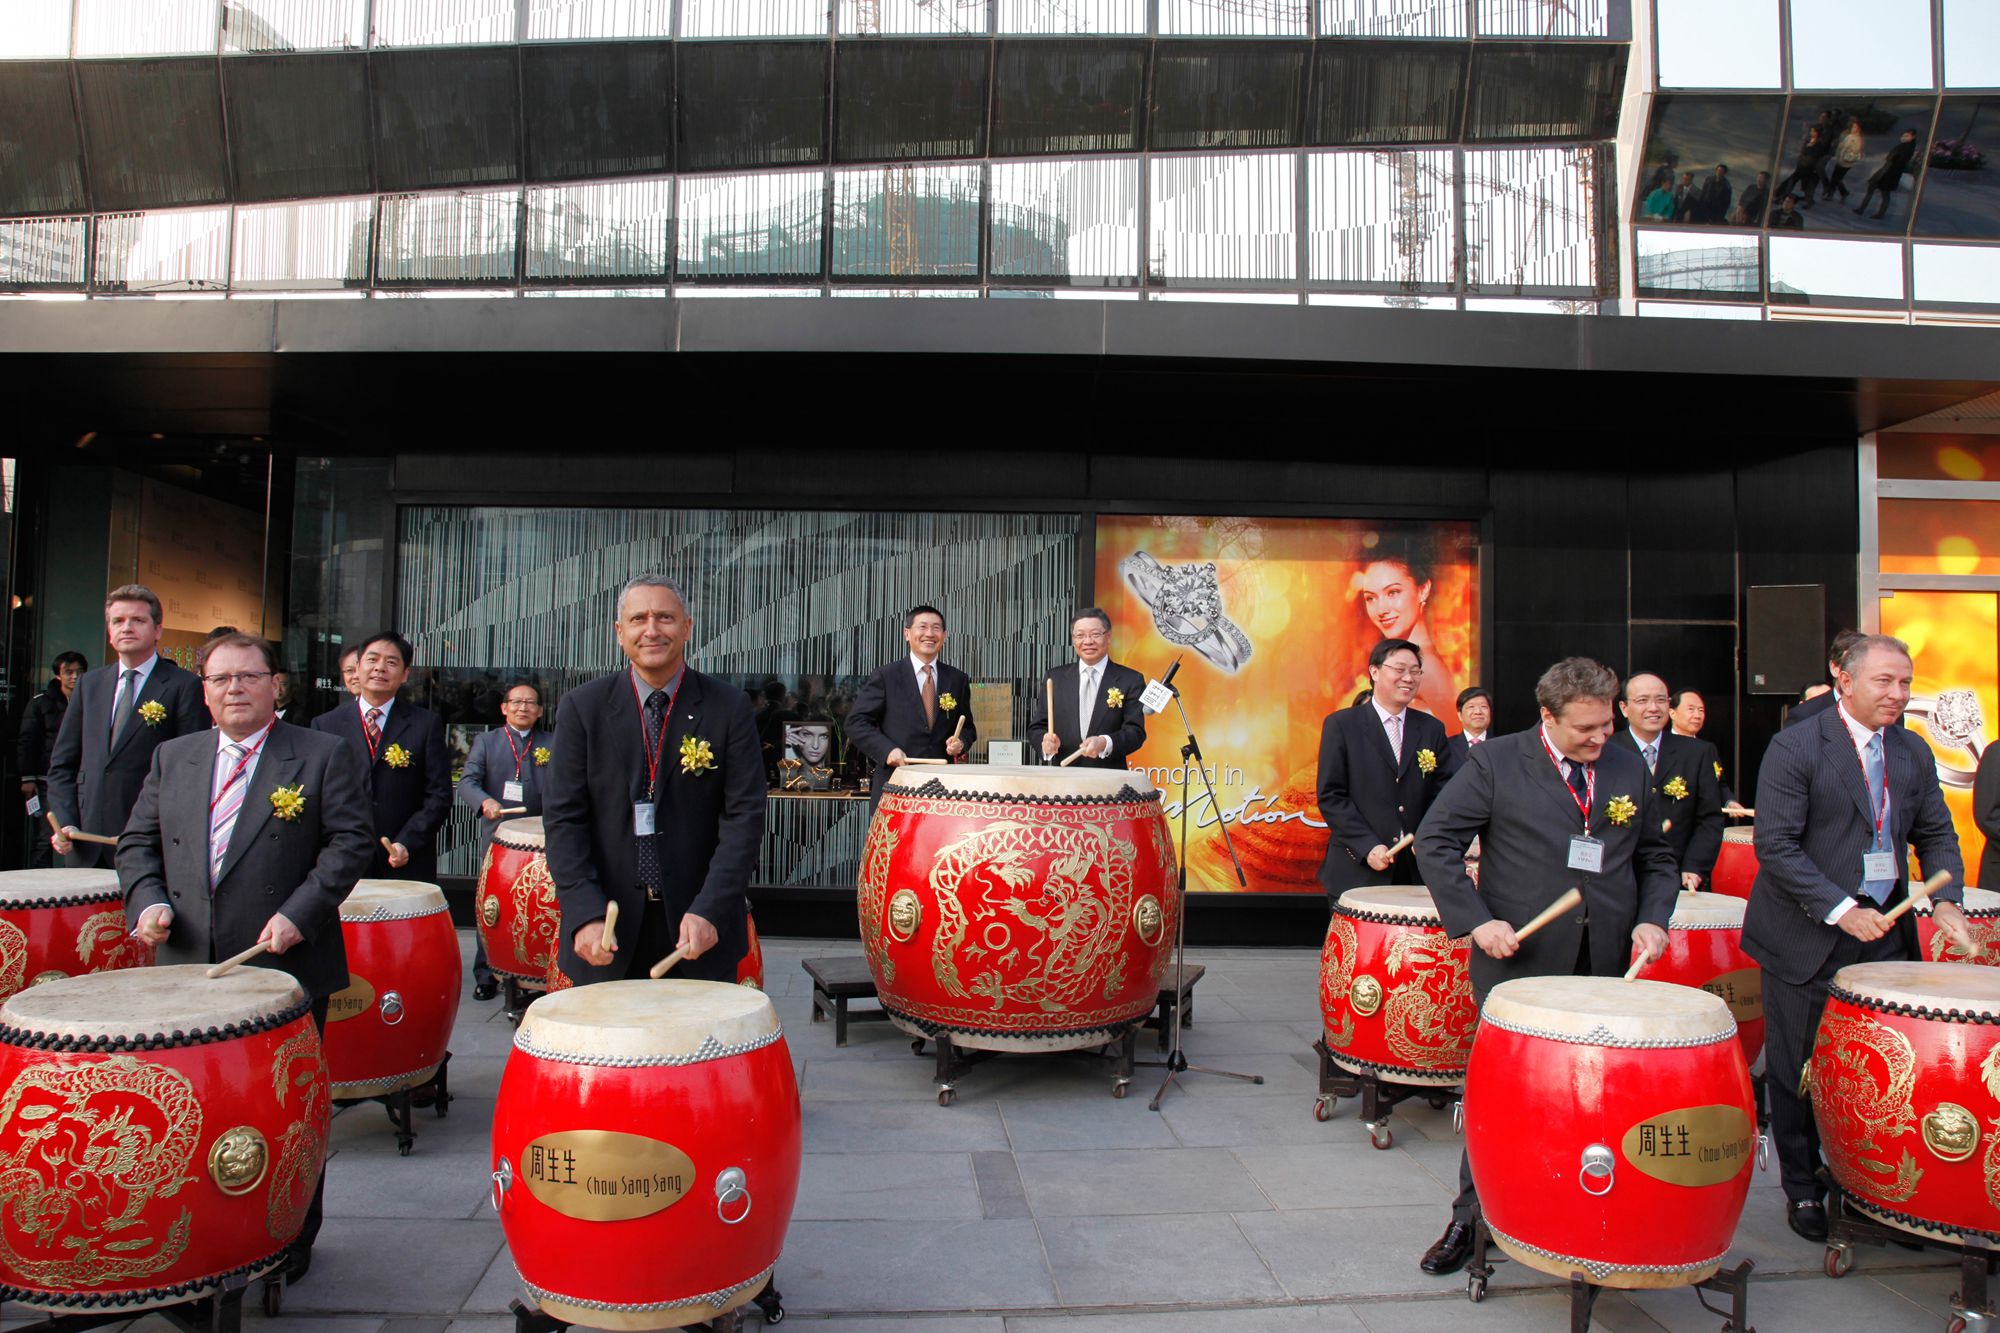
(513, 809)
(666, 965)
(958, 730)
(1922, 894)
(1632, 972)
(1571, 899)
(1396, 847)
(228, 965)
(608, 939)
(387, 846)
(1740, 812)
(1051, 683)
(927, 761)
(1073, 756)
(98, 838)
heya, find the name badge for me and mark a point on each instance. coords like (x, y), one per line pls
(1878, 866)
(642, 818)
(34, 806)
(510, 792)
(1586, 854)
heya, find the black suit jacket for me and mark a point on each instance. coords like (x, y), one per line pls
(1694, 818)
(711, 824)
(888, 714)
(1986, 811)
(1368, 798)
(302, 867)
(490, 766)
(94, 778)
(1814, 822)
(1124, 724)
(409, 803)
(1515, 801)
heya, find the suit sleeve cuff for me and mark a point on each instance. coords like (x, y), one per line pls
(1840, 910)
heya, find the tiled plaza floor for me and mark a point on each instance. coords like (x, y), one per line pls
(1039, 1200)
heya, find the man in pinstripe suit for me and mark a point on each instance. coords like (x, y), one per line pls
(1840, 800)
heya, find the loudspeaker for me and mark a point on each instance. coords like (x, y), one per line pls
(1784, 637)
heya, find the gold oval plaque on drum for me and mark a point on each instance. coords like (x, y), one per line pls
(906, 913)
(1951, 1132)
(356, 1000)
(1148, 920)
(1695, 1145)
(238, 1159)
(1365, 995)
(1742, 990)
(603, 1175)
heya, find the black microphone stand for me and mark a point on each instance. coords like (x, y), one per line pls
(1176, 1062)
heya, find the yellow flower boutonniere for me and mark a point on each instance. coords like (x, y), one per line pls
(696, 757)
(153, 712)
(1620, 809)
(1718, 770)
(287, 802)
(541, 756)
(1426, 762)
(396, 757)
(1677, 788)
(1115, 697)
(948, 702)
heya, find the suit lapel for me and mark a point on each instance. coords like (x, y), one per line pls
(1547, 777)
(1847, 761)
(685, 722)
(277, 766)
(1901, 777)
(155, 681)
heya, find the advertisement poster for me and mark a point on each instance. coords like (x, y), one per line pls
(1273, 620)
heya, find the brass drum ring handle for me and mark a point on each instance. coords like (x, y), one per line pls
(731, 1186)
(503, 1180)
(1597, 1161)
(393, 1008)
(1763, 1151)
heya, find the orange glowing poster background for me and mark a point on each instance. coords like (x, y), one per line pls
(1956, 647)
(1310, 598)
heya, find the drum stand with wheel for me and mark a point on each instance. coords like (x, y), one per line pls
(217, 1312)
(1379, 1096)
(769, 1303)
(434, 1092)
(516, 995)
(954, 1060)
(1972, 1304)
(1734, 1284)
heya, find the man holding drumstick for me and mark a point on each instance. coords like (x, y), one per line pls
(1089, 708)
(1378, 773)
(1554, 809)
(914, 708)
(503, 774)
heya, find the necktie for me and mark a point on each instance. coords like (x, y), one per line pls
(649, 844)
(1579, 781)
(930, 698)
(371, 726)
(1474, 740)
(1871, 762)
(121, 708)
(228, 804)
(1395, 724)
(1086, 700)
(1652, 755)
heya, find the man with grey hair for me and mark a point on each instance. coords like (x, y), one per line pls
(1554, 808)
(1840, 801)
(654, 801)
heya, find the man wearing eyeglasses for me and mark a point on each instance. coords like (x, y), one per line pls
(1098, 716)
(402, 744)
(1379, 769)
(502, 779)
(251, 833)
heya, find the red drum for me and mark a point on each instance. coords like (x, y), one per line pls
(1705, 950)
(1982, 918)
(1018, 909)
(388, 1030)
(159, 1133)
(62, 923)
(1610, 1128)
(1395, 990)
(1736, 864)
(518, 917)
(646, 1151)
(1905, 1080)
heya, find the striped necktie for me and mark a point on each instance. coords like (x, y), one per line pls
(371, 727)
(228, 804)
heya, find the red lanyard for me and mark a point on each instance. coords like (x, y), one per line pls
(522, 753)
(1589, 797)
(242, 763)
(658, 748)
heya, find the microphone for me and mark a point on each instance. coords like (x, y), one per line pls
(1167, 681)
(1160, 692)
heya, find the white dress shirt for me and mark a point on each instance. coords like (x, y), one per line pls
(385, 706)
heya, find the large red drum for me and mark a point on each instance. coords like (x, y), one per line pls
(1394, 990)
(159, 1133)
(1905, 1081)
(646, 1151)
(518, 916)
(62, 923)
(1018, 909)
(1736, 863)
(1610, 1128)
(1982, 918)
(388, 1030)
(1705, 950)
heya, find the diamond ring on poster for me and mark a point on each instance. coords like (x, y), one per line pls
(1186, 602)
(1956, 722)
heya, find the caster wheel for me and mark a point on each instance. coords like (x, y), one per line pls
(1436, 1101)
(775, 1315)
(274, 1299)
(1323, 1109)
(1475, 1289)
(1119, 1090)
(1383, 1137)
(1839, 1260)
(1957, 1325)
(946, 1096)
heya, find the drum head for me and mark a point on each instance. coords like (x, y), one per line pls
(1405, 902)
(143, 1001)
(524, 833)
(647, 1021)
(1707, 911)
(34, 888)
(1982, 903)
(391, 899)
(1966, 987)
(1027, 783)
(1740, 834)
(1608, 1011)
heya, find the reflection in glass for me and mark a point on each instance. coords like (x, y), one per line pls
(43, 252)
(35, 29)
(1690, 310)
(1392, 18)
(1405, 92)
(1524, 91)
(448, 238)
(1528, 218)
(1844, 44)
(1805, 270)
(1398, 302)
(1971, 44)
(907, 99)
(183, 250)
(1868, 151)
(900, 293)
(1223, 219)
(763, 225)
(1227, 95)
(685, 293)
(753, 18)
(1068, 96)
(295, 25)
(1962, 183)
(1544, 18)
(1228, 298)
(1693, 136)
(1718, 43)
(319, 244)
(1065, 221)
(1381, 217)
(906, 222)
(913, 18)
(1071, 16)
(1233, 18)
(144, 27)
(751, 104)
(622, 229)
(572, 20)
(1678, 264)
(1957, 274)
(443, 22)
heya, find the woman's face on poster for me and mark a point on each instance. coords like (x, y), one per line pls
(1392, 598)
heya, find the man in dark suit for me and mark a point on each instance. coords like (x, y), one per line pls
(503, 772)
(1475, 721)
(911, 708)
(1097, 705)
(1553, 808)
(655, 801)
(1686, 790)
(409, 774)
(1836, 652)
(1986, 812)
(1378, 772)
(216, 858)
(1840, 800)
(118, 717)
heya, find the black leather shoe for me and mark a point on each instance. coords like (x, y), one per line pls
(1453, 1248)
(298, 1262)
(486, 989)
(1807, 1217)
